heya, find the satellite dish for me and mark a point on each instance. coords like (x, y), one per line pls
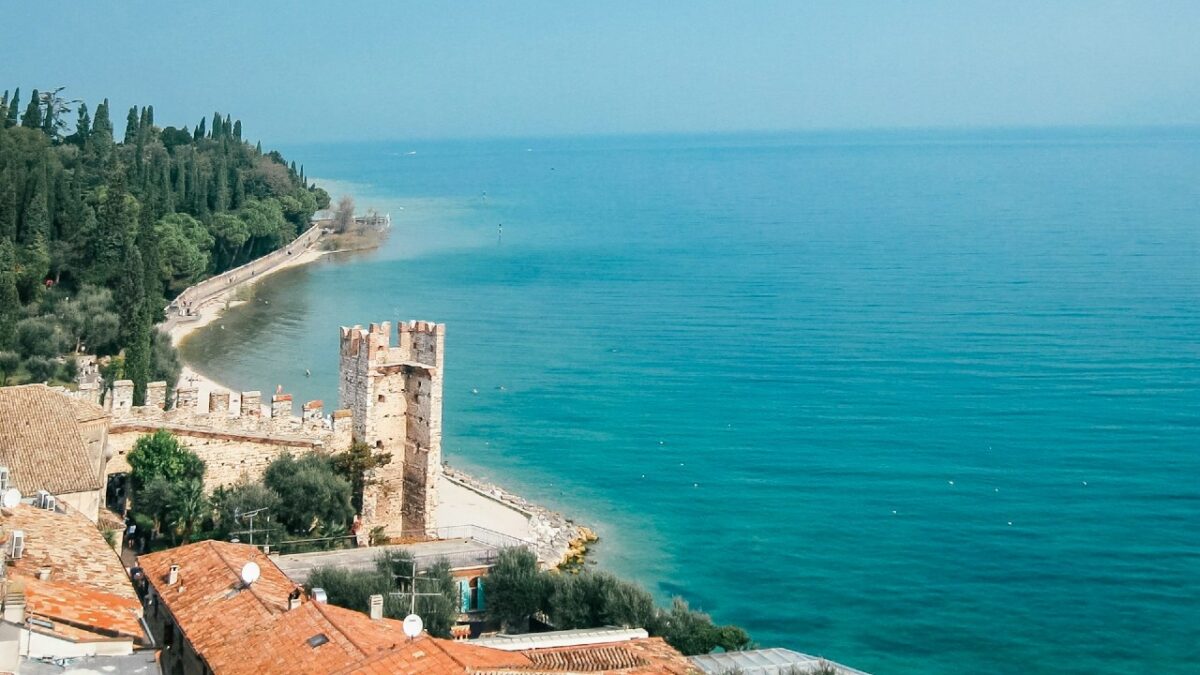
(413, 625)
(11, 498)
(250, 573)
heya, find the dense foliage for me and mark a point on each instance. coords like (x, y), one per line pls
(317, 499)
(518, 590)
(168, 487)
(96, 234)
(301, 499)
(437, 595)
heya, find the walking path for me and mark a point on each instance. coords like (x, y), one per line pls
(201, 304)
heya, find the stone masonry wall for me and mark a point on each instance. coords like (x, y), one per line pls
(395, 395)
(234, 443)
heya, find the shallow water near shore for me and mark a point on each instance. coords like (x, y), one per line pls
(918, 402)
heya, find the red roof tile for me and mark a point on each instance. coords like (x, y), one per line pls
(88, 587)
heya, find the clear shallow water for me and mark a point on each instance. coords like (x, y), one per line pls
(844, 390)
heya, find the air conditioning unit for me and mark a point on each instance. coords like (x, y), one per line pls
(16, 544)
(45, 500)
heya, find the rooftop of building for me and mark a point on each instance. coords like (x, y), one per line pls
(40, 441)
(138, 663)
(240, 629)
(465, 546)
(766, 662)
(87, 594)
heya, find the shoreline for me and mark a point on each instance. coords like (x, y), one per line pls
(558, 539)
(212, 308)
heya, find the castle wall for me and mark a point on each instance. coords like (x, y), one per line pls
(227, 455)
(233, 443)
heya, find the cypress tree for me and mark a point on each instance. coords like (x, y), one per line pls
(227, 127)
(199, 130)
(50, 118)
(33, 112)
(114, 231)
(217, 132)
(130, 298)
(83, 127)
(8, 206)
(237, 130)
(239, 191)
(102, 128)
(37, 209)
(10, 301)
(14, 106)
(131, 125)
(149, 117)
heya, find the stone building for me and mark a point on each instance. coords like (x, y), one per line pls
(56, 443)
(394, 394)
(390, 390)
(208, 619)
(65, 591)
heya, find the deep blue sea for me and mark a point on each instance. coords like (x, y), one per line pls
(920, 402)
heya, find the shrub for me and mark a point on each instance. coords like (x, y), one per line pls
(40, 368)
(517, 589)
(9, 361)
(311, 494)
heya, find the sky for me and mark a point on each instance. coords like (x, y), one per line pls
(323, 71)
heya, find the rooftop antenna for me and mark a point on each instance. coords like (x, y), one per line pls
(250, 573)
(249, 515)
(11, 498)
(412, 623)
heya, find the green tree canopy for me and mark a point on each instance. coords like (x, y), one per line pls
(162, 455)
(517, 589)
(312, 495)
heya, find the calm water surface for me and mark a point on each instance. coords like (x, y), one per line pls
(922, 403)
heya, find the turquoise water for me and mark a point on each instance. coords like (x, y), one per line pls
(918, 402)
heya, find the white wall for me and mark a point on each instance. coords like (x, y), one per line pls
(460, 505)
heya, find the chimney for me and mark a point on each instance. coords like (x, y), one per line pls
(376, 607)
(173, 575)
(294, 599)
(43, 573)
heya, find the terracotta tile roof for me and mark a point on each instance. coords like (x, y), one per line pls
(431, 655)
(250, 630)
(40, 442)
(219, 618)
(643, 656)
(88, 589)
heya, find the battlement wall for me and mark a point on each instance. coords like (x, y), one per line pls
(229, 431)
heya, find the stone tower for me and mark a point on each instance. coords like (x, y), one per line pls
(395, 395)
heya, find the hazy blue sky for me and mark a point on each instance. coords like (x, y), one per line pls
(323, 71)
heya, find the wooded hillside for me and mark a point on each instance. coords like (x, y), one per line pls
(97, 234)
